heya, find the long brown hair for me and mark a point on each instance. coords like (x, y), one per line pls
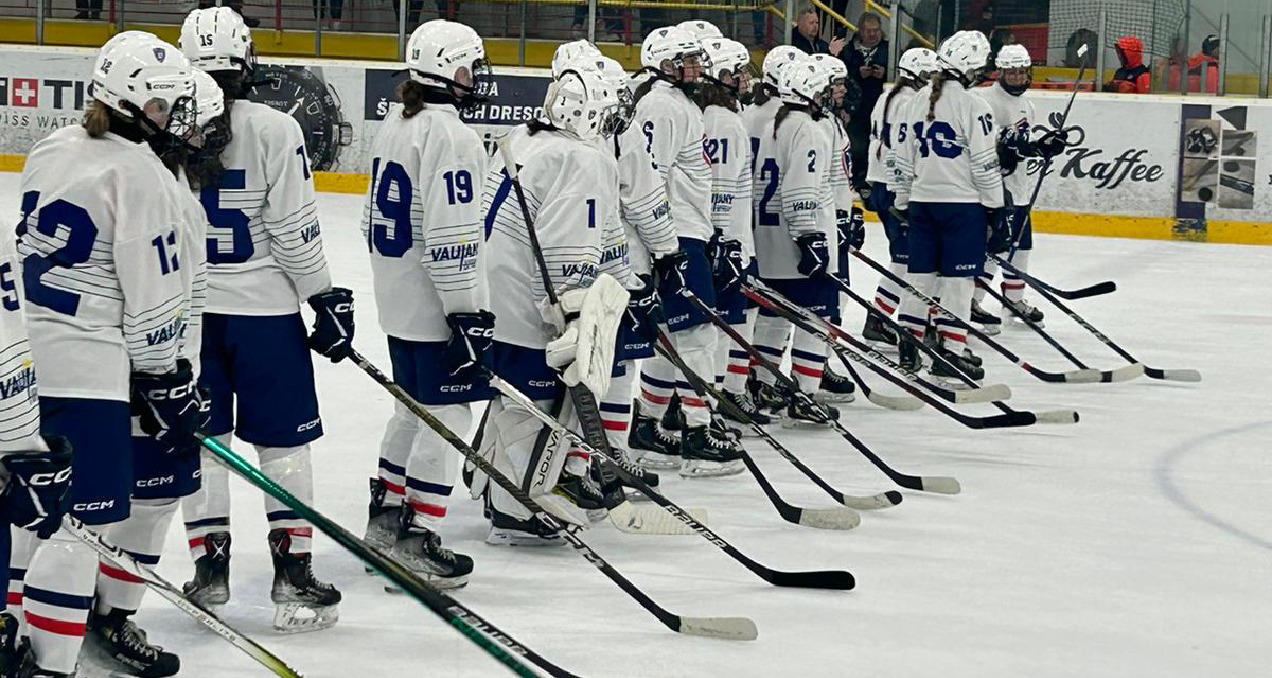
(711, 94)
(411, 94)
(96, 119)
(938, 83)
(896, 89)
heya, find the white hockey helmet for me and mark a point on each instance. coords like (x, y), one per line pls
(838, 69)
(1015, 69)
(806, 83)
(571, 51)
(965, 52)
(208, 96)
(670, 44)
(700, 29)
(582, 103)
(730, 57)
(216, 39)
(143, 77)
(918, 63)
(775, 60)
(447, 54)
(613, 74)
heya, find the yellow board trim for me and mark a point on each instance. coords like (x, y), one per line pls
(1063, 223)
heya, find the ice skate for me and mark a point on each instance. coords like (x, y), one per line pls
(658, 448)
(835, 389)
(708, 453)
(420, 550)
(877, 334)
(1027, 314)
(211, 583)
(768, 397)
(743, 402)
(114, 642)
(942, 370)
(802, 414)
(506, 530)
(302, 602)
(990, 323)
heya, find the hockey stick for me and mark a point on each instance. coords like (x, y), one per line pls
(1049, 417)
(824, 579)
(1185, 374)
(801, 318)
(895, 403)
(173, 595)
(729, 628)
(496, 643)
(1127, 373)
(940, 484)
(1086, 376)
(878, 501)
(1090, 291)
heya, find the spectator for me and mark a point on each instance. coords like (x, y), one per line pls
(867, 60)
(236, 5)
(1000, 38)
(1078, 38)
(1132, 77)
(1203, 69)
(322, 12)
(983, 20)
(807, 35)
(88, 9)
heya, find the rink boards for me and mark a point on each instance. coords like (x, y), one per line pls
(1139, 166)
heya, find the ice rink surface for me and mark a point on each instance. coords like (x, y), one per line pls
(1137, 542)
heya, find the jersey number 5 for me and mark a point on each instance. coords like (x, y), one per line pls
(80, 235)
(235, 220)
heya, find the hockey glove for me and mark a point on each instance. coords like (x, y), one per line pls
(1053, 143)
(584, 353)
(171, 407)
(333, 323)
(670, 271)
(998, 238)
(471, 337)
(38, 493)
(852, 229)
(728, 270)
(643, 310)
(814, 256)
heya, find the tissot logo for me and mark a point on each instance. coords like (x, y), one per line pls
(47, 93)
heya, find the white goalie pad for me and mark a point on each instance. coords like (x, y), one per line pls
(585, 350)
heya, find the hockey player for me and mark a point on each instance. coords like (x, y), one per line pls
(111, 271)
(948, 185)
(794, 229)
(570, 187)
(422, 222)
(1018, 149)
(264, 253)
(728, 150)
(672, 126)
(886, 125)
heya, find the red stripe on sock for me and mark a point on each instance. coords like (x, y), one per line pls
(197, 542)
(62, 628)
(116, 573)
(960, 338)
(427, 509)
(579, 455)
(738, 369)
(302, 532)
(656, 399)
(883, 306)
(393, 488)
(613, 425)
(692, 402)
(14, 599)
(815, 372)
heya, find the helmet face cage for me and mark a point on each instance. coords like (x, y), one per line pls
(1015, 69)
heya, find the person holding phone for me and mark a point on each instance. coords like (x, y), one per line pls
(867, 59)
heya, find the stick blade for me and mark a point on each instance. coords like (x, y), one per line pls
(1174, 375)
(940, 485)
(652, 520)
(983, 394)
(1005, 420)
(840, 518)
(895, 403)
(1132, 371)
(721, 628)
(875, 502)
(1057, 417)
(835, 580)
(1083, 376)
(1106, 287)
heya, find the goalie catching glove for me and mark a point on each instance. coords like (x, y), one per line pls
(584, 351)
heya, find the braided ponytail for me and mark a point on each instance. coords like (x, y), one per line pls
(938, 83)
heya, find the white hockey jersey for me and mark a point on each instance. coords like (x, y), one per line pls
(423, 221)
(643, 198)
(19, 402)
(264, 242)
(792, 192)
(841, 165)
(672, 126)
(110, 263)
(1016, 112)
(728, 149)
(571, 191)
(887, 124)
(953, 157)
(754, 118)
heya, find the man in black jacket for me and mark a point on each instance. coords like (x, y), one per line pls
(806, 36)
(867, 60)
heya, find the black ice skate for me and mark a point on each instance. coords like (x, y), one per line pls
(302, 603)
(607, 475)
(835, 388)
(507, 530)
(768, 397)
(674, 418)
(382, 521)
(211, 583)
(804, 413)
(877, 334)
(12, 650)
(584, 493)
(990, 323)
(658, 448)
(1027, 313)
(708, 453)
(743, 402)
(908, 354)
(960, 362)
(420, 550)
(115, 642)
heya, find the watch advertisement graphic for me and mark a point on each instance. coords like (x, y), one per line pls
(302, 93)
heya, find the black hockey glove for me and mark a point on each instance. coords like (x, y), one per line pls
(643, 310)
(852, 229)
(1053, 143)
(670, 270)
(728, 270)
(814, 255)
(171, 407)
(472, 335)
(38, 493)
(998, 238)
(333, 323)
